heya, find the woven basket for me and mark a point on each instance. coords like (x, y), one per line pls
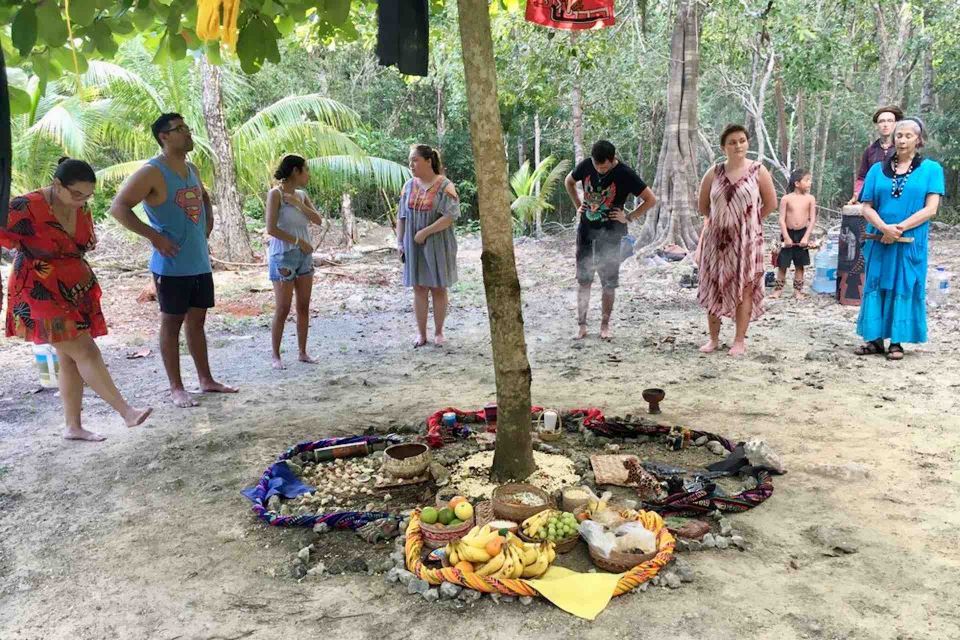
(437, 535)
(619, 562)
(483, 513)
(407, 460)
(513, 511)
(563, 546)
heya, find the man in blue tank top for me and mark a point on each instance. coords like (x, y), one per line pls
(180, 221)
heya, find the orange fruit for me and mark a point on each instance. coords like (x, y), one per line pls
(464, 566)
(454, 501)
(493, 547)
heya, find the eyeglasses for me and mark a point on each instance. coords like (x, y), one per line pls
(78, 196)
(179, 129)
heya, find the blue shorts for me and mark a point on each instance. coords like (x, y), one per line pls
(289, 265)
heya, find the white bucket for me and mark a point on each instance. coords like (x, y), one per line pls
(48, 365)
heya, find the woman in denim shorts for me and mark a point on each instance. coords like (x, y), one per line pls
(289, 214)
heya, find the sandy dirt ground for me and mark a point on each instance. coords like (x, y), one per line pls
(146, 536)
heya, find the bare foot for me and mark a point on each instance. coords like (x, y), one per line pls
(439, 340)
(776, 293)
(709, 346)
(800, 295)
(183, 399)
(82, 434)
(277, 363)
(605, 333)
(738, 349)
(419, 342)
(215, 387)
(305, 357)
(581, 333)
(136, 417)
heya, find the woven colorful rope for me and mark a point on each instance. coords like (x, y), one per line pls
(335, 520)
(629, 581)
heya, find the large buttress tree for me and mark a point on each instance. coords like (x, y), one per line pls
(674, 220)
(513, 458)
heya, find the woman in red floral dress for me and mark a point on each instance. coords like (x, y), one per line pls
(53, 295)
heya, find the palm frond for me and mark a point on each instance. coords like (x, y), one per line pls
(336, 173)
(117, 173)
(297, 109)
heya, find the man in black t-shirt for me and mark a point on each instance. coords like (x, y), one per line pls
(606, 184)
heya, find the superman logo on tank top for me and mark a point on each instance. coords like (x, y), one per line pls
(189, 199)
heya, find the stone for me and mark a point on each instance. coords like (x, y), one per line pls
(589, 439)
(469, 595)
(738, 542)
(383, 565)
(356, 565)
(273, 503)
(449, 591)
(702, 440)
(723, 543)
(298, 571)
(725, 527)
(495, 596)
(694, 545)
(431, 595)
(317, 569)
(321, 528)
(709, 542)
(643, 587)
(672, 579)
(683, 570)
(416, 585)
(612, 448)
(398, 560)
(404, 577)
(760, 454)
(656, 580)
(304, 555)
(716, 448)
(392, 575)
(693, 530)
(526, 601)
(508, 599)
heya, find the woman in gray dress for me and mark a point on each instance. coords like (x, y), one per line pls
(429, 205)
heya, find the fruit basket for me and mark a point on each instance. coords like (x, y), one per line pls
(438, 535)
(510, 509)
(449, 521)
(547, 522)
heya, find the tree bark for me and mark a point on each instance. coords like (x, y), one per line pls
(576, 109)
(817, 136)
(441, 114)
(513, 457)
(927, 95)
(536, 163)
(348, 219)
(893, 32)
(783, 141)
(229, 240)
(674, 220)
(800, 134)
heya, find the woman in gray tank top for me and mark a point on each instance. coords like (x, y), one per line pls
(290, 254)
(429, 205)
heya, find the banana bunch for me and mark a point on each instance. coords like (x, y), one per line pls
(515, 559)
(472, 547)
(533, 525)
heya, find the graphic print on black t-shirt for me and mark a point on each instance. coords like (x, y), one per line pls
(604, 193)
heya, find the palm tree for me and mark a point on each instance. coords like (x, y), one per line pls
(533, 189)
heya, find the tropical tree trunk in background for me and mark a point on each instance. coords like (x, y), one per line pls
(229, 241)
(576, 108)
(894, 26)
(348, 219)
(817, 137)
(675, 220)
(927, 96)
(783, 141)
(441, 114)
(513, 458)
(801, 134)
(538, 221)
(521, 150)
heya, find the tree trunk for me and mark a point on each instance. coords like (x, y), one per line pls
(675, 219)
(576, 109)
(817, 136)
(823, 143)
(513, 458)
(927, 96)
(783, 141)
(229, 240)
(800, 134)
(893, 32)
(521, 150)
(441, 114)
(348, 219)
(538, 221)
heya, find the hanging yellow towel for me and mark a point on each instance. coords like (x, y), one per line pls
(582, 594)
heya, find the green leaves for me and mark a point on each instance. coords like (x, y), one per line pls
(82, 12)
(24, 32)
(52, 28)
(257, 42)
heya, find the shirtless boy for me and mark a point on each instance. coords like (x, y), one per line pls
(798, 215)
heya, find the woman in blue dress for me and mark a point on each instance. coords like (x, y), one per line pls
(899, 198)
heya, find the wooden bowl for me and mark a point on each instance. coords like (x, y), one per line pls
(504, 509)
(407, 460)
(619, 562)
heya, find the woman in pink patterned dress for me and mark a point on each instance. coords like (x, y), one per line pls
(735, 197)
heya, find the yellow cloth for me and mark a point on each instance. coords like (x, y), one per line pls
(582, 594)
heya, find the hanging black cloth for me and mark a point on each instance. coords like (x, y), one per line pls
(403, 35)
(5, 150)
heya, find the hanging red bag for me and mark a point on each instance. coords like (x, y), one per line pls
(573, 15)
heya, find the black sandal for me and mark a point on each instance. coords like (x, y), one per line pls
(871, 348)
(895, 352)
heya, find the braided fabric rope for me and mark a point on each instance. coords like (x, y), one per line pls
(335, 520)
(629, 581)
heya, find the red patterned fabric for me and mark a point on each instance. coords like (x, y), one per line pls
(53, 293)
(573, 15)
(730, 254)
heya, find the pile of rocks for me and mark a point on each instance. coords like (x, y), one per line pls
(727, 538)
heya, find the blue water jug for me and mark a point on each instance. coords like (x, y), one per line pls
(825, 276)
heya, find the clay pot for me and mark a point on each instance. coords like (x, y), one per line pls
(653, 398)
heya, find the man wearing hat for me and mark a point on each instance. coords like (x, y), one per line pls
(885, 118)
